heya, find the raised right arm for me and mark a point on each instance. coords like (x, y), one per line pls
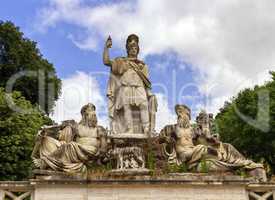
(106, 58)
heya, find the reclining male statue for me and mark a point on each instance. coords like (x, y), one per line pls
(217, 156)
(75, 146)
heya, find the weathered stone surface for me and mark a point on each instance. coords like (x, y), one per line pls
(141, 188)
(61, 192)
(166, 193)
(129, 136)
(129, 172)
(180, 186)
(177, 178)
(56, 175)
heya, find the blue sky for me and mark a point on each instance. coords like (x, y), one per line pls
(199, 54)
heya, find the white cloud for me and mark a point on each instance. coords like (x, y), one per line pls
(228, 42)
(165, 115)
(78, 90)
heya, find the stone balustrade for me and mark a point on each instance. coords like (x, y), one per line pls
(16, 190)
(261, 191)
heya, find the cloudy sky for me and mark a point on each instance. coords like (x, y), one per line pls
(200, 53)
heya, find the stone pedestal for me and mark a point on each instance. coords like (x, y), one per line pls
(138, 192)
(128, 154)
(173, 186)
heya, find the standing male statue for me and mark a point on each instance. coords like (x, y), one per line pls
(132, 106)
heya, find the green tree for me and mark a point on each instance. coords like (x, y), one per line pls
(256, 141)
(18, 132)
(20, 54)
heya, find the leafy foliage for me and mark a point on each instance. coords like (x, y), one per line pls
(251, 140)
(17, 136)
(151, 160)
(96, 170)
(19, 54)
(18, 132)
(174, 168)
(204, 166)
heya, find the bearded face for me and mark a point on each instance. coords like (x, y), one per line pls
(183, 113)
(183, 120)
(89, 117)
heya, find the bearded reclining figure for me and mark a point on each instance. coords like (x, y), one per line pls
(181, 145)
(75, 146)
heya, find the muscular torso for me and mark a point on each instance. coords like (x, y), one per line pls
(87, 136)
(184, 141)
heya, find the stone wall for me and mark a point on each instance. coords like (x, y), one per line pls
(147, 188)
(137, 192)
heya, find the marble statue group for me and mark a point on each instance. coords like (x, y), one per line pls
(73, 147)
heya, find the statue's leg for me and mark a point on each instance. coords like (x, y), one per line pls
(128, 119)
(144, 114)
(152, 122)
(153, 105)
(111, 121)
